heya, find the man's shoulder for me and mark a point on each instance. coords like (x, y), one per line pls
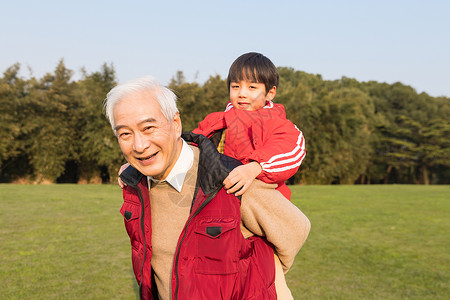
(213, 166)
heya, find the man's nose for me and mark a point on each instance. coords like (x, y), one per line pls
(141, 143)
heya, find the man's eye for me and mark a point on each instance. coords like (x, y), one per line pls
(124, 135)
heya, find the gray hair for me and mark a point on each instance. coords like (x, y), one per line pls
(166, 98)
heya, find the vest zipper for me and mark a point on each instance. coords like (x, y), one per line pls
(141, 199)
(208, 199)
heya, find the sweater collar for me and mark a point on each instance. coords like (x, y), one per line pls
(178, 173)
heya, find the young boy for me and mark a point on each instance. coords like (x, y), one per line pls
(253, 129)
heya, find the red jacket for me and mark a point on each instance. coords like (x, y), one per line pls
(212, 260)
(265, 136)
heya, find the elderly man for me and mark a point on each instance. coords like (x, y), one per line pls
(189, 238)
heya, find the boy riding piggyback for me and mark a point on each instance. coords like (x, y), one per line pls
(254, 129)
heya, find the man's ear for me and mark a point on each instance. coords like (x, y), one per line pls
(177, 123)
(271, 93)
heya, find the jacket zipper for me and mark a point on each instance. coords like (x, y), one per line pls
(141, 199)
(208, 199)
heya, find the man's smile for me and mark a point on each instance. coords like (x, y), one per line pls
(147, 158)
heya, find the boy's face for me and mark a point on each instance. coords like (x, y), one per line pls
(251, 96)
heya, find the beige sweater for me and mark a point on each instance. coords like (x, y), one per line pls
(264, 211)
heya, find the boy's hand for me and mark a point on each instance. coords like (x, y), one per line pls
(122, 168)
(239, 180)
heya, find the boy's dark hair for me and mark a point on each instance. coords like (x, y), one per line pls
(253, 67)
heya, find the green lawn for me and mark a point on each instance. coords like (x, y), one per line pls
(366, 242)
(374, 242)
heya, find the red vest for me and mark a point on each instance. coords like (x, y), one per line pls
(212, 258)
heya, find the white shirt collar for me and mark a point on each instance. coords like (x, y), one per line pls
(180, 169)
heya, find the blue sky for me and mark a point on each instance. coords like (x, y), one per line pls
(386, 41)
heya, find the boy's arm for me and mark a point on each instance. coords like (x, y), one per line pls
(281, 154)
(266, 212)
(210, 124)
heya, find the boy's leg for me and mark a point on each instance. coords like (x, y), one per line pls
(283, 292)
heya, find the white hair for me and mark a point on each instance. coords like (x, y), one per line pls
(166, 98)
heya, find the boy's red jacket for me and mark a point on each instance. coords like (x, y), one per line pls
(213, 260)
(265, 136)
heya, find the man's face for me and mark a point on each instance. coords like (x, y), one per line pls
(148, 141)
(248, 95)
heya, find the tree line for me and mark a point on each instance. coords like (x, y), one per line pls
(54, 129)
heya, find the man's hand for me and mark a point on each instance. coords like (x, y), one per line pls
(239, 180)
(122, 168)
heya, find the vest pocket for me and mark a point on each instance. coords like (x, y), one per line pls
(130, 213)
(217, 251)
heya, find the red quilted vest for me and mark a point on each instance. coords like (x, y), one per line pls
(212, 259)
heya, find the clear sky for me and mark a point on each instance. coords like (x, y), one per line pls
(385, 41)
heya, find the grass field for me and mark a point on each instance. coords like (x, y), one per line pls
(366, 242)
